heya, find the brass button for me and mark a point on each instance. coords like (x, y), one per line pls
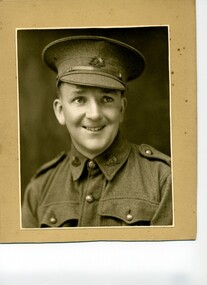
(148, 152)
(53, 220)
(129, 217)
(89, 198)
(91, 164)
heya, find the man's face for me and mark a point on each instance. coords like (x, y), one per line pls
(92, 116)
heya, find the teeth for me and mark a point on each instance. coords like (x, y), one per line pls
(93, 129)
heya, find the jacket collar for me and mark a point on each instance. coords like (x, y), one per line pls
(109, 161)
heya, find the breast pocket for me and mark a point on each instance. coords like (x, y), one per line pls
(126, 212)
(58, 215)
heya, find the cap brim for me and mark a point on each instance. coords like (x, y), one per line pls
(94, 80)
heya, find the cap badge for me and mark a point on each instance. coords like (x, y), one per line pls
(97, 62)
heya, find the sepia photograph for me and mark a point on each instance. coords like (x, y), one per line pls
(95, 127)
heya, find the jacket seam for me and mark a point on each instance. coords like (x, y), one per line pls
(164, 177)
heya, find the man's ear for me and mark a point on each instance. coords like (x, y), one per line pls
(124, 103)
(58, 109)
(123, 107)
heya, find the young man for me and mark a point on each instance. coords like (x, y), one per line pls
(104, 180)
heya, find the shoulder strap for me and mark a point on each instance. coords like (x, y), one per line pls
(50, 164)
(151, 153)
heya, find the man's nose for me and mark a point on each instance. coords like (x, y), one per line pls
(93, 110)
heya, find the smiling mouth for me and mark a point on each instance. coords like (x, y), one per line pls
(94, 129)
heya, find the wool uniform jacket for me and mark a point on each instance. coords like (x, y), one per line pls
(127, 185)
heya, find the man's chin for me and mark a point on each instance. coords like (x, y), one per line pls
(94, 150)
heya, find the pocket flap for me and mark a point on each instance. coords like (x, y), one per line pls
(55, 215)
(131, 211)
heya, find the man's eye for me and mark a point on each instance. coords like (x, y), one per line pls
(79, 100)
(107, 99)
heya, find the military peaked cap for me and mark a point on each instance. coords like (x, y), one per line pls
(94, 61)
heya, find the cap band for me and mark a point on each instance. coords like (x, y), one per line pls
(90, 68)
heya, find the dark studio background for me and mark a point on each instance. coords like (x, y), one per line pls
(147, 118)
